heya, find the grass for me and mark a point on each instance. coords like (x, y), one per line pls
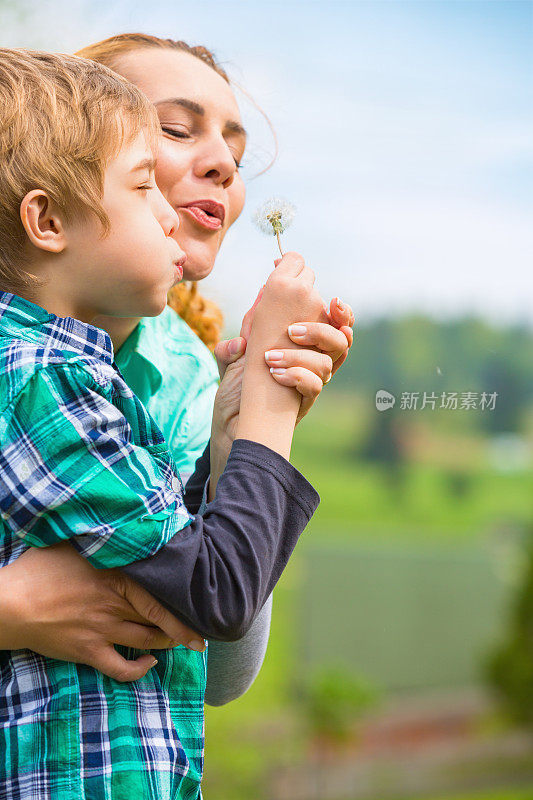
(515, 794)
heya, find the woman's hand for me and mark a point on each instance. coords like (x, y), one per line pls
(307, 369)
(53, 601)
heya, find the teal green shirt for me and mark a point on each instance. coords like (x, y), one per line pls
(175, 376)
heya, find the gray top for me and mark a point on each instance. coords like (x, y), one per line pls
(232, 667)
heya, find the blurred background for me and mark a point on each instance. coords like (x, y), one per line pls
(401, 658)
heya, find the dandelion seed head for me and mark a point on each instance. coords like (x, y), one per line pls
(274, 216)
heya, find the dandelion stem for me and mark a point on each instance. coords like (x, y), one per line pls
(279, 243)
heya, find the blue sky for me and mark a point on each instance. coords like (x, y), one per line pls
(405, 134)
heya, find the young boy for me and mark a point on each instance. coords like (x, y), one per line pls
(84, 232)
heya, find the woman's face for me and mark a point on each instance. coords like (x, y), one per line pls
(202, 145)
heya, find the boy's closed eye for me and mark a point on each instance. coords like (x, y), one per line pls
(147, 168)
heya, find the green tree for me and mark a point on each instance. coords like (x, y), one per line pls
(510, 666)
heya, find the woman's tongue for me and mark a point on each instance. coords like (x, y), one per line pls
(205, 219)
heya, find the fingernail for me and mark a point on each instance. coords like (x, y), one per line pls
(340, 304)
(274, 355)
(297, 330)
(277, 370)
(234, 347)
(198, 645)
(154, 662)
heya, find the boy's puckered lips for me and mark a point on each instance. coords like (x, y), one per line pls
(179, 264)
(207, 213)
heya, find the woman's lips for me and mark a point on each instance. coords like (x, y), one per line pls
(207, 213)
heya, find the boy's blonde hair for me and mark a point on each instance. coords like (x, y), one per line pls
(202, 315)
(62, 118)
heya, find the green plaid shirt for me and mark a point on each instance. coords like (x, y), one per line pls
(82, 459)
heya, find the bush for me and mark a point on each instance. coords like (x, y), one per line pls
(510, 667)
(335, 698)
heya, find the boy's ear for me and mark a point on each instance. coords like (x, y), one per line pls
(43, 222)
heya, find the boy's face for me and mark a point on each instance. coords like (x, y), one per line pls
(128, 272)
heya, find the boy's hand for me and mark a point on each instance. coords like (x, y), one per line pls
(74, 612)
(288, 294)
(306, 369)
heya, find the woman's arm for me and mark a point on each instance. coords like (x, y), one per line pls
(53, 601)
(232, 667)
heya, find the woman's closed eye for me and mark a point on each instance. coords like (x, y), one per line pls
(184, 134)
(174, 132)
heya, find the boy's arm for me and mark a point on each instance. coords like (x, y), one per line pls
(71, 469)
(268, 411)
(195, 486)
(241, 544)
(217, 573)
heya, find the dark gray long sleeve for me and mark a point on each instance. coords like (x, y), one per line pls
(217, 573)
(232, 667)
(194, 488)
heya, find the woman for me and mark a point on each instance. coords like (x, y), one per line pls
(75, 612)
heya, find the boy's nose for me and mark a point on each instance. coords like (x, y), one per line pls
(165, 214)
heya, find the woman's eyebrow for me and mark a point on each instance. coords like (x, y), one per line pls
(235, 127)
(190, 105)
(196, 108)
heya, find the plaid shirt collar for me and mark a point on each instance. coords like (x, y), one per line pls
(25, 320)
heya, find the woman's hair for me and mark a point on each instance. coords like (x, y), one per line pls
(61, 119)
(202, 315)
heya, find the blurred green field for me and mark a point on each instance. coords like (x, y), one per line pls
(362, 504)
(515, 794)
(362, 500)
(411, 616)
